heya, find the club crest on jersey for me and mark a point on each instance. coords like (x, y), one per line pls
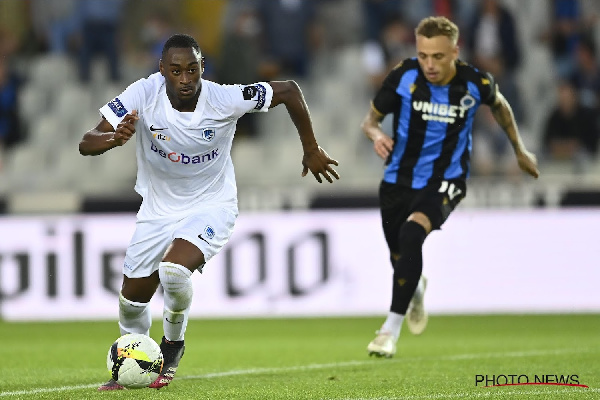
(467, 101)
(209, 232)
(208, 134)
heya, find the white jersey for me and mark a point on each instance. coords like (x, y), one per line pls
(183, 158)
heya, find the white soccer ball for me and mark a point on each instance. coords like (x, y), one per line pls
(134, 360)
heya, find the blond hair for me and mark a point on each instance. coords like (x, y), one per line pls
(438, 26)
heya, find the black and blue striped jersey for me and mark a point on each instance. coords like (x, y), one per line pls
(432, 123)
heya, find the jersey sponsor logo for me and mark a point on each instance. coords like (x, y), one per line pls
(185, 158)
(441, 112)
(154, 129)
(161, 136)
(256, 92)
(117, 107)
(208, 134)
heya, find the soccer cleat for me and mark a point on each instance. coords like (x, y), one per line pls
(172, 353)
(384, 345)
(417, 317)
(111, 385)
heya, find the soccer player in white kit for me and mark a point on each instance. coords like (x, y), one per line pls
(184, 128)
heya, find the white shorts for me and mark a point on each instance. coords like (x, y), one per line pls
(209, 229)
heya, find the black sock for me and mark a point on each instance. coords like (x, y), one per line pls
(409, 266)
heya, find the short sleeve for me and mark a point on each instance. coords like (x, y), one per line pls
(487, 88)
(387, 99)
(123, 104)
(255, 97)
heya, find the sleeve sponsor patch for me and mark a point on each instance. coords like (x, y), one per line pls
(256, 92)
(117, 107)
(249, 92)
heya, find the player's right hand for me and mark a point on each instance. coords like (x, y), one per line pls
(126, 128)
(383, 145)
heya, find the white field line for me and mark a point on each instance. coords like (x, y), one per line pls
(256, 371)
(485, 395)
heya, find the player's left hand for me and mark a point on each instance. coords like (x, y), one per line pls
(319, 162)
(528, 163)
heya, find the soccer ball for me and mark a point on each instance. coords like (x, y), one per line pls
(134, 360)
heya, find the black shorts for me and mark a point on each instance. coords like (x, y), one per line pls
(398, 202)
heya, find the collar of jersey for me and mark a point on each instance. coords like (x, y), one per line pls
(171, 113)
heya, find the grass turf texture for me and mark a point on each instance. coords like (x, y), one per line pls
(320, 358)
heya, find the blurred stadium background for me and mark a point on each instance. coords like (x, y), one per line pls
(42, 42)
(543, 52)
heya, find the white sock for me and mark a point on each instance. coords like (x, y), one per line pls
(134, 317)
(177, 285)
(393, 324)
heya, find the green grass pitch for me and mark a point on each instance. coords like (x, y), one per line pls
(318, 358)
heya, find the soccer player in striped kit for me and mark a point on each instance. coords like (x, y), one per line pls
(433, 99)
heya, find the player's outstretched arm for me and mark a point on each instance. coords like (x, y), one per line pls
(103, 138)
(503, 114)
(371, 127)
(315, 158)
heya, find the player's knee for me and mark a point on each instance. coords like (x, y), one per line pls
(411, 237)
(177, 284)
(422, 219)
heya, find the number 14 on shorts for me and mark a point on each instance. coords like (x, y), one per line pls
(450, 189)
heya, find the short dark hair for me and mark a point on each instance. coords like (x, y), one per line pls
(180, 41)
